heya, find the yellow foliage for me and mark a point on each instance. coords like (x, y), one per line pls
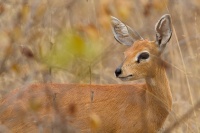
(25, 12)
(72, 48)
(95, 122)
(16, 33)
(35, 104)
(123, 8)
(160, 6)
(104, 13)
(40, 12)
(16, 68)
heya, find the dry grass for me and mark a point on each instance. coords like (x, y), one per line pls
(46, 26)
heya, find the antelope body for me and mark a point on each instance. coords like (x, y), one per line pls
(137, 108)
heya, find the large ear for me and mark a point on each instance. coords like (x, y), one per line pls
(123, 33)
(163, 31)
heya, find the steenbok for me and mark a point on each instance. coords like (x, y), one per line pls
(136, 108)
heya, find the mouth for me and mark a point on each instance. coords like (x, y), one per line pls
(126, 77)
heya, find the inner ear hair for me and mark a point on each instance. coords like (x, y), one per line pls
(163, 31)
(123, 33)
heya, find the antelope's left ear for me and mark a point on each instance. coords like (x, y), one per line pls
(163, 31)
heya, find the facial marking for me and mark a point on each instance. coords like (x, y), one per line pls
(137, 56)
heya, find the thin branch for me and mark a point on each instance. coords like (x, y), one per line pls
(183, 118)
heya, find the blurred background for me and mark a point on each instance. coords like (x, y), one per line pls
(70, 41)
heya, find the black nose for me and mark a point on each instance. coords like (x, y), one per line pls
(118, 71)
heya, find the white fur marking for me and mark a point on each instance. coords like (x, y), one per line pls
(152, 82)
(136, 57)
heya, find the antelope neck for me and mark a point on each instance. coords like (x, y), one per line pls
(158, 88)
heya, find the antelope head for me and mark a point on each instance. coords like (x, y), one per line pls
(143, 56)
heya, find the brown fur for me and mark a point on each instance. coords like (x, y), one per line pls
(137, 108)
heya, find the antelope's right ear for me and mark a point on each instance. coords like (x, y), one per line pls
(123, 33)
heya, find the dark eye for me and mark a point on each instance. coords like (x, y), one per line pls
(143, 56)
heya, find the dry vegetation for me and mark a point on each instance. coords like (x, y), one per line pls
(70, 41)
